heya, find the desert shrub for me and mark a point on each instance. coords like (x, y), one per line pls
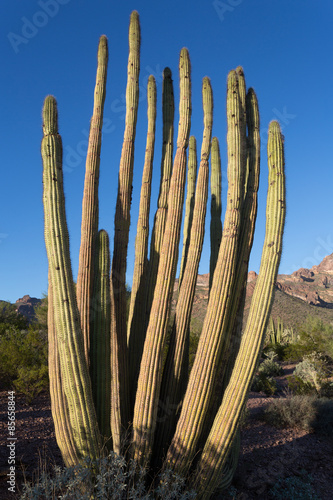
(323, 421)
(278, 349)
(263, 383)
(326, 389)
(294, 488)
(293, 411)
(23, 361)
(9, 318)
(31, 381)
(269, 366)
(109, 477)
(297, 386)
(311, 370)
(314, 336)
(303, 412)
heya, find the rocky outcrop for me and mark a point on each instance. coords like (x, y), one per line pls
(26, 306)
(304, 293)
(303, 274)
(251, 276)
(326, 265)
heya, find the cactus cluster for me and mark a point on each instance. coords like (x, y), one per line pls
(122, 382)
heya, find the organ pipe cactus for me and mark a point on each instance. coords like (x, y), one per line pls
(216, 207)
(89, 225)
(127, 380)
(189, 204)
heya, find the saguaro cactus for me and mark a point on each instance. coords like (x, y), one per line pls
(172, 419)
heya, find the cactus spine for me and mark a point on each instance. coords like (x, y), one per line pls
(90, 386)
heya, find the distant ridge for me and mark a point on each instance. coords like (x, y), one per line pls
(305, 292)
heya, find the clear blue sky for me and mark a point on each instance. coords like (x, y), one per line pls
(49, 47)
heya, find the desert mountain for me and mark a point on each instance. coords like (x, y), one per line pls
(26, 306)
(306, 292)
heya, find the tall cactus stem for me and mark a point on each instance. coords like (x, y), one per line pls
(189, 203)
(226, 422)
(199, 390)
(100, 355)
(89, 224)
(216, 207)
(175, 374)
(136, 322)
(232, 338)
(73, 365)
(168, 112)
(120, 411)
(147, 397)
(59, 408)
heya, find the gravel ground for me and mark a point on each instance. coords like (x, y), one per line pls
(267, 453)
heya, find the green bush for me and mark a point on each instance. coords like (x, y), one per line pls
(278, 349)
(9, 318)
(31, 381)
(23, 361)
(269, 367)
(262, 383)
(314, 336)
(311, 370)
(297, 386)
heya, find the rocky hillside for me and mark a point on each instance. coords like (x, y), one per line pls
(26, 306)
(306, 292)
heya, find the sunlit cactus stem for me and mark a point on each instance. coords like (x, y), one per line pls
(73, 366)
(136, 323)
(89, 224)
(189, 203)
(147, 397)
(226, 422)
(199, 390)
(175, 374)
(120, 400)
(59, 406)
